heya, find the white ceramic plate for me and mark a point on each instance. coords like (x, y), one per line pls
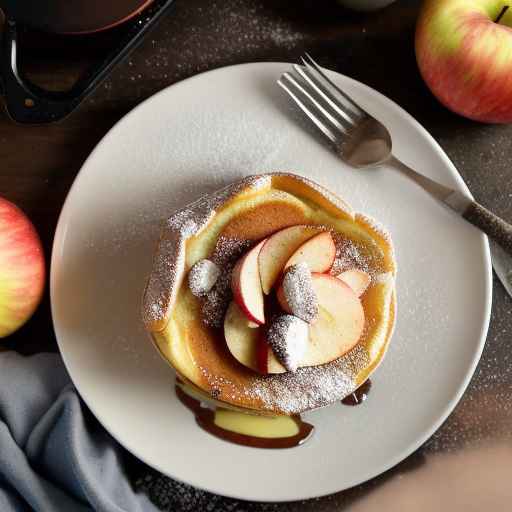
(198, 136)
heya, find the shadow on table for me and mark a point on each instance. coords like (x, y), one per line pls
(475, 479)
(169, 494)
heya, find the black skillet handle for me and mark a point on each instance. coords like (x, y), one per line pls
(30, 104)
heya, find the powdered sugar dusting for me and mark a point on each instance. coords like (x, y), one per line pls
(348, 256)
(167, 272)
(311, 387)
(184, 222)
(288, 393)
(216, 304)
(172, 496)
(202, 277)
(383, 278)
(294, 392)
(378, 228)
(299, 292)
(227, 250)
(226, 253)
(288, 337)
(169, 261)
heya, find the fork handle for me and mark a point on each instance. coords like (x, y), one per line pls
(492, 225)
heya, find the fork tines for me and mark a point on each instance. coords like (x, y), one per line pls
(332, 111)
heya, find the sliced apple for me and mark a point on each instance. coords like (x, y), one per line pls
(281, 298)
(339, 324)
(266, 359)
(248, 346)
(263, 352)
(278, 249)
(242, 341)
(246, 285)
(318, 252)
(336, 331)
(358, 280)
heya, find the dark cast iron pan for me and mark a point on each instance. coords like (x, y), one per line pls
(28, 103)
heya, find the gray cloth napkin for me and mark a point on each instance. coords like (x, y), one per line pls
(54, 456)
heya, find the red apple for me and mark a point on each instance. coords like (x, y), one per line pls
(278, 249)
(318, 252)
(464, 53)
(358, 280)
(22, 271)
(246, 286)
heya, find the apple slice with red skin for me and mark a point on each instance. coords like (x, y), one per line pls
(318, 252)
(246, 285)
(263, 352)
(248, 346)
(278, 249)
(358, 280)
(339, 323)
(337, 329)
(281, 298)
(242, 340)
(267, 361)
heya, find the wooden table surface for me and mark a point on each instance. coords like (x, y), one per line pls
(38, 163)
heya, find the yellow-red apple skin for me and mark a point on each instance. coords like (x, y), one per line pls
(22, 268)
(249, 298)
(318, 252)
(277, 250)
(465, 57)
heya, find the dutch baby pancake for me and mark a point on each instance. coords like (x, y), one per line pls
(272, 295)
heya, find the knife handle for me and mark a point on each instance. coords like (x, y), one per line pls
(492, 225)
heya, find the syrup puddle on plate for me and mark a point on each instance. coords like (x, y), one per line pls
(247, 429)
(359, 395)
(252, 430)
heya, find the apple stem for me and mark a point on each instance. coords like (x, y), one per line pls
(502, 13)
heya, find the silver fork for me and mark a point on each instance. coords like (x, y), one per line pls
(364, 142)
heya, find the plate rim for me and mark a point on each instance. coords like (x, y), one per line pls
(60, 234)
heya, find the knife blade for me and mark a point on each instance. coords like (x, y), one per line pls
(502, 264)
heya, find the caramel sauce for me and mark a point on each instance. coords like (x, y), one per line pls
(206, 419)
(359, 395)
